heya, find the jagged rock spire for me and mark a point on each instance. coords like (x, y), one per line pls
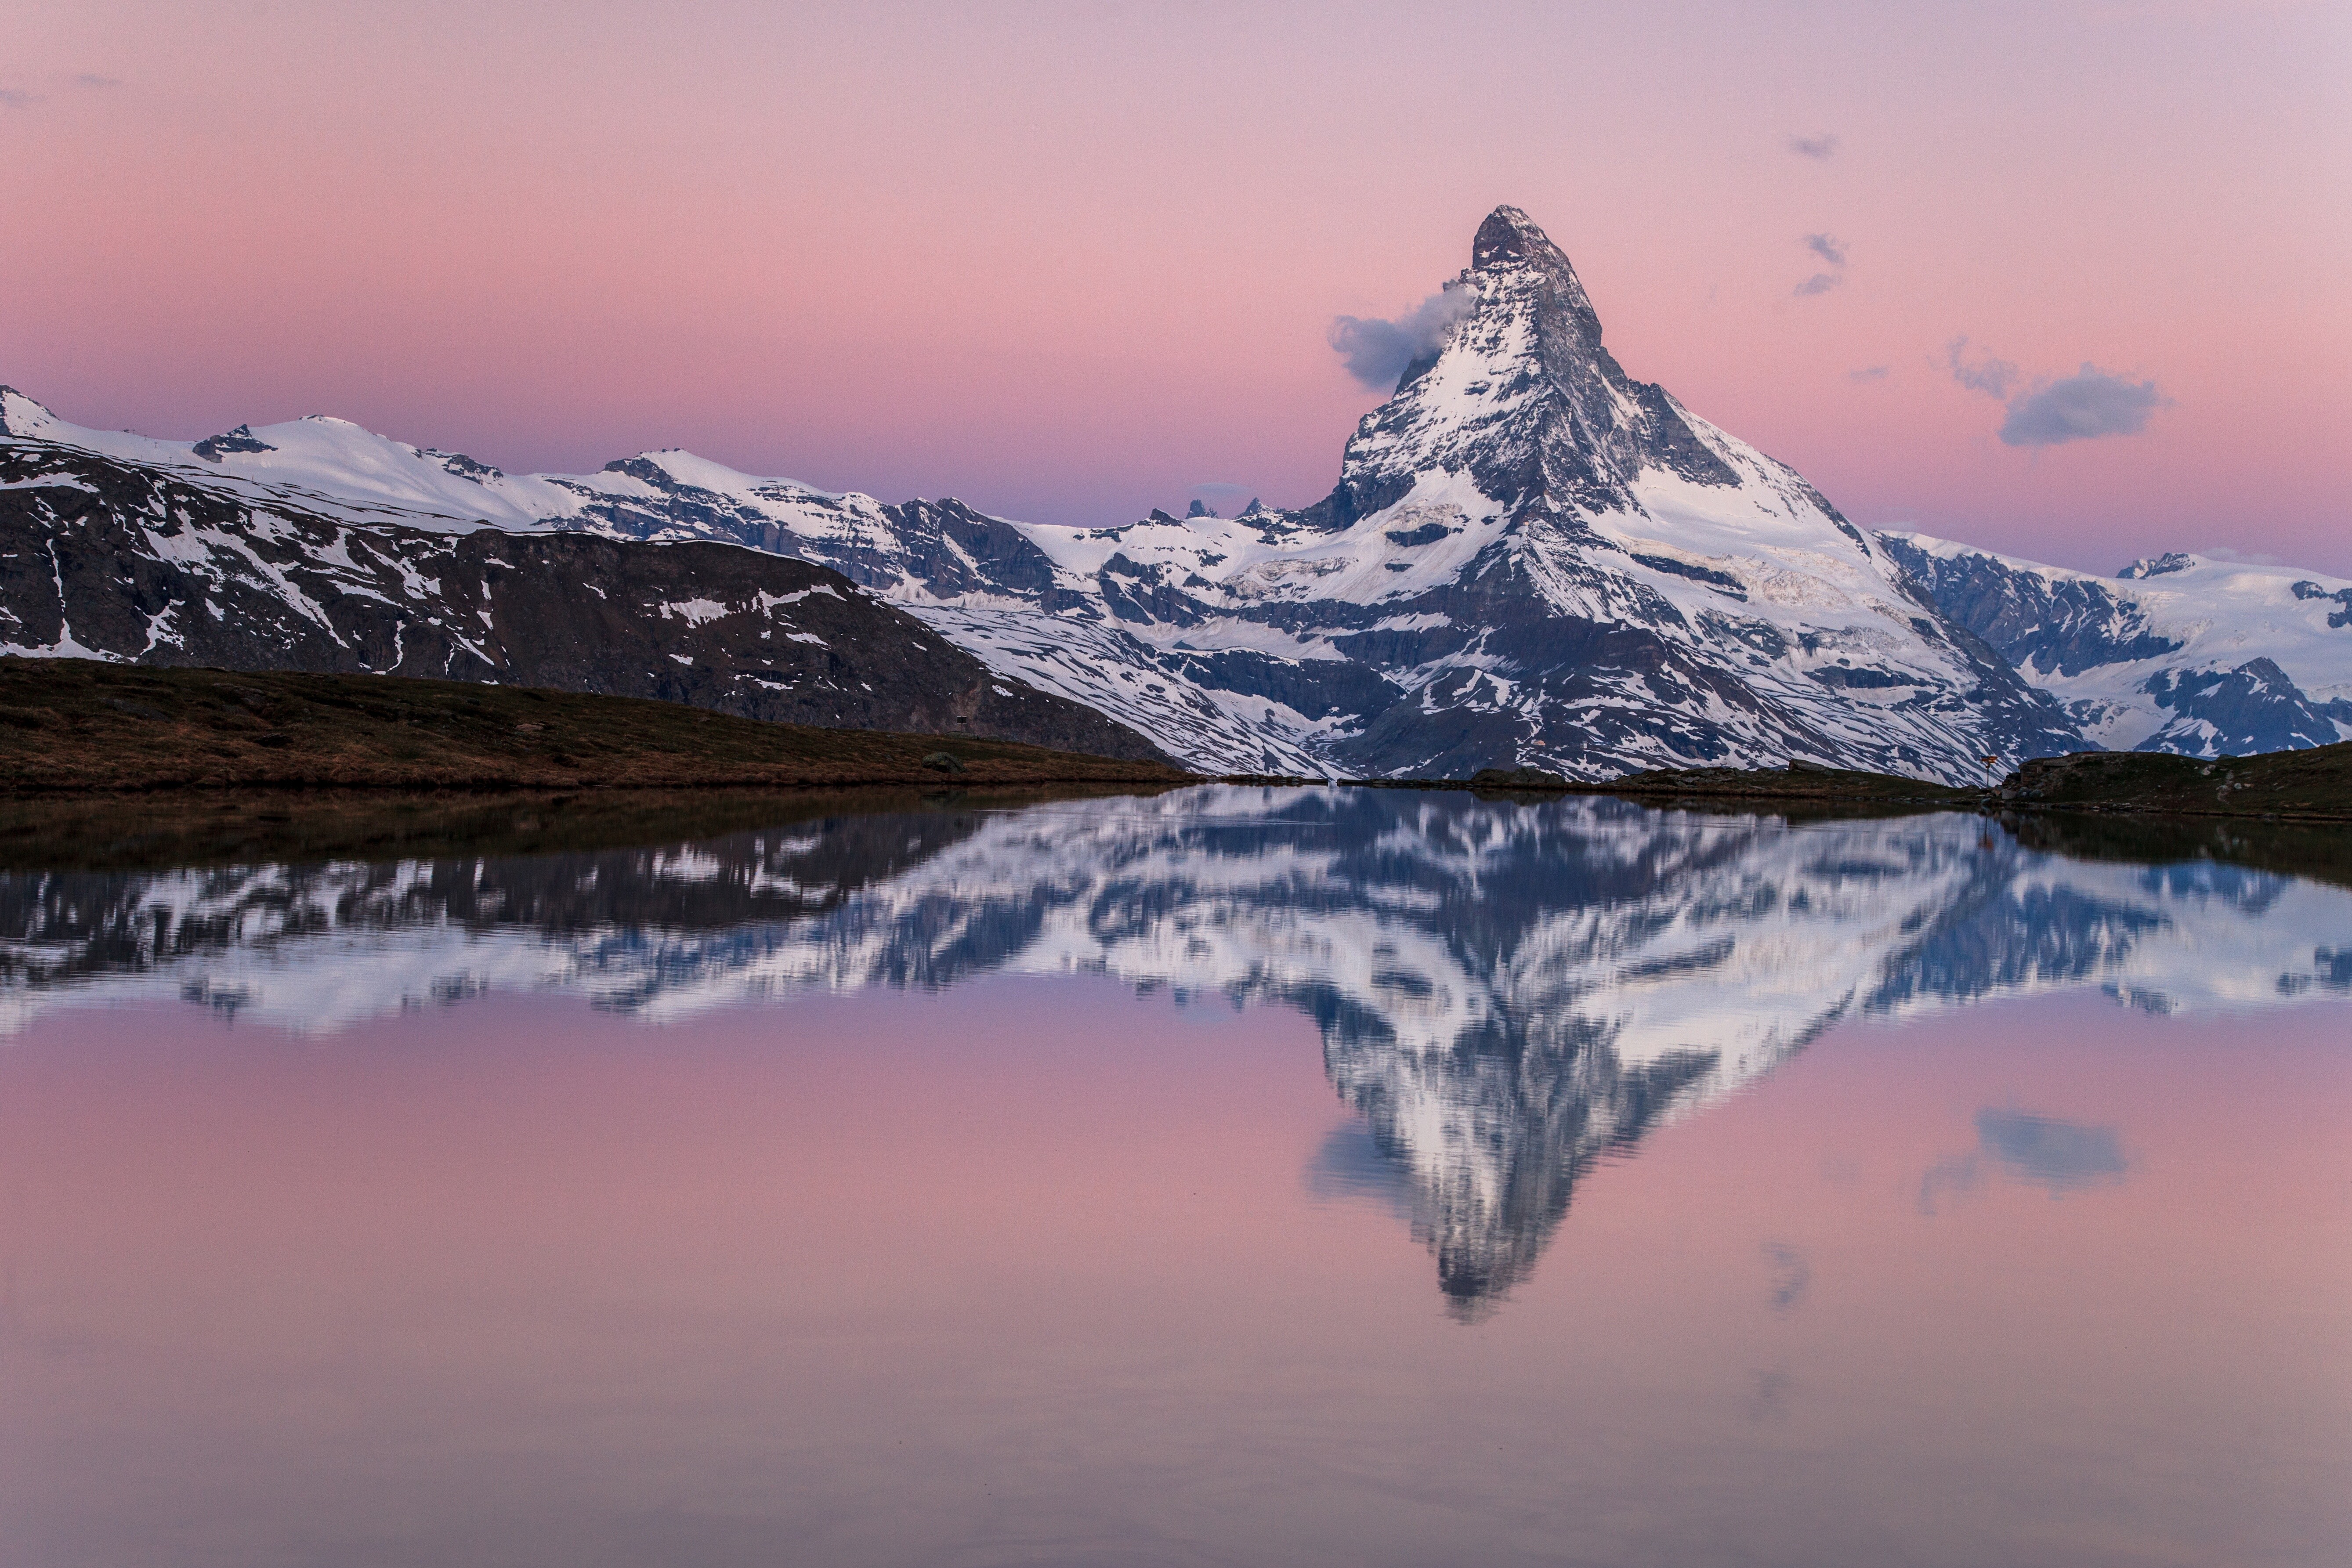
(1521, 395)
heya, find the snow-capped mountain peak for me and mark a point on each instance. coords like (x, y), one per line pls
(1522, 392)
(1530, 558)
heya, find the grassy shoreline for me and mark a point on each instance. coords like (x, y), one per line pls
(2311, 786)
(73, 729)
(75, 726)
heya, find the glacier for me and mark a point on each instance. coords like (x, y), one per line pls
(1529, 559)
(2175, 653)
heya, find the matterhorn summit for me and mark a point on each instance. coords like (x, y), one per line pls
(1523, 394)
(1530, 559)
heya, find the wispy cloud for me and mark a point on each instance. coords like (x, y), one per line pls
(2090, 402)
(1824, 247)
(16, 97)
(1822, 146)
(1376, 351)
(1983, 375)
(1870, 373)
(91, 79)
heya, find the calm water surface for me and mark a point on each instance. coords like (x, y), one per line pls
(1231, 1177)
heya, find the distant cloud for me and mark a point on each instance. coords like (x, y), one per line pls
(16, 97)
(91, 79)
(1871, 373)
(1828, 248)
(1378, 351)
(2238, 557)
(1825, 145)
(2090, 402)
(1984, 374)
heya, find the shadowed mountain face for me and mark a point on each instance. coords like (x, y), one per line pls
(1530, 559)
(106, 558)
(2203, 658)
(1508, 994)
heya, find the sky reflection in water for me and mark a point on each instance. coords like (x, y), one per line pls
(925, 1228)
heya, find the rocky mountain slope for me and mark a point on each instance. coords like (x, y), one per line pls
(2175, 653)
(1530, 559)
(111, 557)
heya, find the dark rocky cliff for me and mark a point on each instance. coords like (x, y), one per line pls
(117, 560)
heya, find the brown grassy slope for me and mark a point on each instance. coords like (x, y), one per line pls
(2311, 785)
(80, 725)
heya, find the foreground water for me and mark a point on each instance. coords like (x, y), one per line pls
(1229, 1177)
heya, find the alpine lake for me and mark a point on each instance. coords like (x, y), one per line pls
(1221, 1175)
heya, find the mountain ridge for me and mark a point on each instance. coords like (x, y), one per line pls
(1529, 559)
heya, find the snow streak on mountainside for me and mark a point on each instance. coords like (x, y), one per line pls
(108, 559)
(1505, 993)
(2175, 653)
(1529, 559)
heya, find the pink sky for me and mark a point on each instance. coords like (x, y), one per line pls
(1069, 262)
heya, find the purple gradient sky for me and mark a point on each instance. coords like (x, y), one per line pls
(1069, 262)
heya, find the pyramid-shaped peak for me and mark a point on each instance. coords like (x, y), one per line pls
(1509, 235)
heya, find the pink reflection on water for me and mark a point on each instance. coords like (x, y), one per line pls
(1032, 1271)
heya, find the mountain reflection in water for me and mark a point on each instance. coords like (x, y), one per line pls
(1508, 993)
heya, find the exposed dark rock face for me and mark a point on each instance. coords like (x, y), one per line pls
(1570, 426)
(2060, 625)
(1529, 559)
(2252, 708)
(122, 561)
(2099, 641)
(2336, 620)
